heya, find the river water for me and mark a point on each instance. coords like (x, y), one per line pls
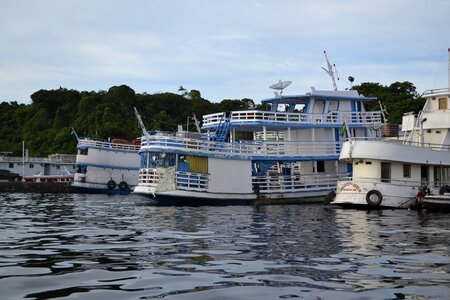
(125, 247)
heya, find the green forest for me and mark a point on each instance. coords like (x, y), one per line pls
(46, 123)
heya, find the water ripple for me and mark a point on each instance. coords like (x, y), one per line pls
(122, 247)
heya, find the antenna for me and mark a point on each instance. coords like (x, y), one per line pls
(141, 124)
(280, 86)
(330, 71)
(75, 133)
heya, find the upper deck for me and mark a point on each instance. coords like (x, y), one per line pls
(88, 143)
(314, 109)
(258, 118)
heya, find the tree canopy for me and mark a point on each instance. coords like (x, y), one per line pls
(45, 124)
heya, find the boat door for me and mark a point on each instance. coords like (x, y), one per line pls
(424, 178)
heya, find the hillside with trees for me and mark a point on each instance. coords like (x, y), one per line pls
(45, 124)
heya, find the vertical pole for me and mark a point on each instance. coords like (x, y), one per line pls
(448, 69)
(23, 159)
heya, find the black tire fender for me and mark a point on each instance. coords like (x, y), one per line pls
(111, 184)
(374, 198)
(123, 186)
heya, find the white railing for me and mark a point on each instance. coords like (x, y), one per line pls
(184, 180)
(192, 181)
(244, 149)
(293, 183)
(148, 177)
(432, 146)
(48, 160)
(337, 117)
(100, 144)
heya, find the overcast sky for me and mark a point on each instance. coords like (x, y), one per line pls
(225, 49)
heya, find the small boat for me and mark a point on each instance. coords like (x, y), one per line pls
(389, 173)
(109, 167)
(287, 153)
(438, 203)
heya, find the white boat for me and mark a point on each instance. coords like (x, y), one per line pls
(389, 173)
(438, 203)
(106, 167)
(287, 153)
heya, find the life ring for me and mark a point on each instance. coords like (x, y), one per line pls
(111, 184)
(374, 198)
(123, 186)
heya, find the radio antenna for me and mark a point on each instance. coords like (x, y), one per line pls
(330, 71)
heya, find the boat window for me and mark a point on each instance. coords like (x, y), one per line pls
(31, 166)
(320, 166)
(407, 171)
(368, 162)
(385, 172)
(442, 103)
(333, 105)
(300, 108)
(83, 151)
(157, 159)
(11, 165)
(282, 107)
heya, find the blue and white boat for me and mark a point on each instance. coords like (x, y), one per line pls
(286, 153)
(106, 167)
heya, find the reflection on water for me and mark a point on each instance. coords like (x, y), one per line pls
(122, 247)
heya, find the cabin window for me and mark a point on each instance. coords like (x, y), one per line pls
(157, 159)
(407, 171)
(442, 103)
(31, 166)
(385, 172)
(320, 166)
(83, 151)
(11, 165)
(368, 162)
(333, 105)
(300, 108)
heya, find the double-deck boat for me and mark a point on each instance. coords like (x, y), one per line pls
(402, 173)
(286, 153)
(106, 166)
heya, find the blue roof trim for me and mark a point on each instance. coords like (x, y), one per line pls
(239, 157)
(306, 97)
(107, 166)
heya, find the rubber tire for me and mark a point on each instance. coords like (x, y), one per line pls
(123, 186)
(370, 201)
(16, 179)
(111, 184)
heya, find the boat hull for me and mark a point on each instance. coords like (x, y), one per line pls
(363, 195)
(92, 190)
(437, 203)
(180, 197)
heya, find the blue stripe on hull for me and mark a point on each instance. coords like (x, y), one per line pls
(191, 201)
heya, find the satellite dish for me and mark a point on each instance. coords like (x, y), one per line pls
(281, 85)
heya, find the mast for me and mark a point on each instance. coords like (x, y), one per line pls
(141, 124)
(448, 69)
(330, 71)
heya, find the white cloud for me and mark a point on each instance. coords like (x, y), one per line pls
(228, 49)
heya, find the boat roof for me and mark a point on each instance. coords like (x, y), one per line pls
(304, 98)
